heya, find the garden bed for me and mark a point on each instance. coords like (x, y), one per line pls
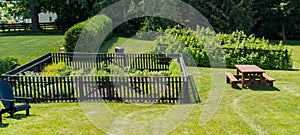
(151, 80)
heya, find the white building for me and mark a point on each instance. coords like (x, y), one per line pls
(44, 17)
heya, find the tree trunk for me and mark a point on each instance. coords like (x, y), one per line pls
(34, 11)
(283, 30)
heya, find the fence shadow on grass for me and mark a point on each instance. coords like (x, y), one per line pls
(193, 91)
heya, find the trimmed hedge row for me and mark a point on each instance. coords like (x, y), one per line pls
(242, 49)
(207, 48)
(194, 45)
(88, 35)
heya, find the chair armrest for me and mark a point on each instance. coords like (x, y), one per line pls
(11, 102)
(26, 99)
(8, 100)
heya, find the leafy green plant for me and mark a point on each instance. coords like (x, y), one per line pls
(57, 69)
(7, 64)
(174, 68)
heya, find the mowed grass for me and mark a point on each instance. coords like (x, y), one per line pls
(241, 111)
(130, 45)
(28, 47)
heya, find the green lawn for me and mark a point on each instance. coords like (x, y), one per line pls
(129, 45)
(29, 47)
(245, 111)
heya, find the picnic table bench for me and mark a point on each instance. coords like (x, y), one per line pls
(230, 78)
(268, 79)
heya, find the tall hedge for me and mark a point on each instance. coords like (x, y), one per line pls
(88, 35)
(236, 48)
(243, 49)
(194, 45)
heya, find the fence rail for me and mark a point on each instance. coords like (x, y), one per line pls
(26, 26)
(160, 89)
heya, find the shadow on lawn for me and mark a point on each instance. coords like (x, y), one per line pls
(20, 116)
(257, 88)
(107, 44)
(29, 33)
(16, 117)
(4, 125)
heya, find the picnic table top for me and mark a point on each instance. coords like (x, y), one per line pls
(249, 69)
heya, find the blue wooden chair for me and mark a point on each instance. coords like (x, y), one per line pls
(8, 101)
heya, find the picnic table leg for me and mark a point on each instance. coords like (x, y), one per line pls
(243, 80)
(260, 80)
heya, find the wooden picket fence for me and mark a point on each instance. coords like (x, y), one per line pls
(27, 27)
(153, 89)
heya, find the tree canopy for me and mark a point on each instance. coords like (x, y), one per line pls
(275, 19)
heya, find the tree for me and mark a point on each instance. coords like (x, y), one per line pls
(70, 12)
(227, 15)
(32, 6)
(284, 10)
(277, 19)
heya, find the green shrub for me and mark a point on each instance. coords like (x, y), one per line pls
(192, 44)
(243, 49)
(7, 64)
(207, 49)
(72, 36)
(90, 33)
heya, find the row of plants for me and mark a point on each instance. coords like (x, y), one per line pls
(54, 88)
(208, 49)
(62, 69)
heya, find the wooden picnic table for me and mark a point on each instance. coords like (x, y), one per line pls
(251, 74)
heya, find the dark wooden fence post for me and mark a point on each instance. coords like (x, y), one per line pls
(287, 55)
(80, 88)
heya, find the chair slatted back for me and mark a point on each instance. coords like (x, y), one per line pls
(6, 93)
